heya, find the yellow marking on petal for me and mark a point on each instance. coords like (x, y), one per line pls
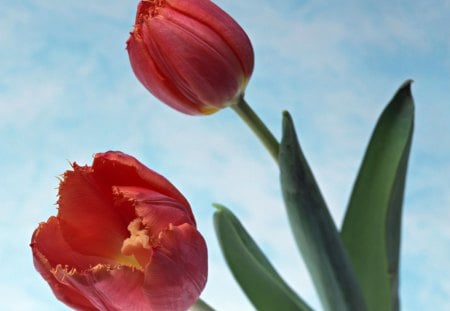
(208, 110)
(129, 261)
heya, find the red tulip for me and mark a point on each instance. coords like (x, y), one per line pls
(190, 54)
(124, 238)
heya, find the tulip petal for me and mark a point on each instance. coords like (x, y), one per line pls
(151, 77)
(108, 289)
(62, 292)
(88, 221)
(219, 21)
(156, 210)
(177, 273)
(117, 168)
(49, 249)
(49, 242)
(194, 57)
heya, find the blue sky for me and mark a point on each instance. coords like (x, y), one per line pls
(67, 92)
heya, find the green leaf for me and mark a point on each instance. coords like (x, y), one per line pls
(250, 267)
(371, 228)
(314, 230)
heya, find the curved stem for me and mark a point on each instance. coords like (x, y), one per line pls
(201, 305)
(246, 113)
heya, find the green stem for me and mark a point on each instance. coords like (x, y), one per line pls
(246, 113)
(200, 305)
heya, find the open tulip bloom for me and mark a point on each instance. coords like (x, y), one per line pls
(125, 238)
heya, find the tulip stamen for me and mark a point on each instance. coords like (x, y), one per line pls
(138, 244)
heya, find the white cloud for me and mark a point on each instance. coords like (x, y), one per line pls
(68, 92)
(425, 243)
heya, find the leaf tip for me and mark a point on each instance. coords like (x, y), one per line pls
(404, 97)
(219, 207)
(286, 118)
(406, 86)
(287, 125)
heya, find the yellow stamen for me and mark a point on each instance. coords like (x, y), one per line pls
(138, 244)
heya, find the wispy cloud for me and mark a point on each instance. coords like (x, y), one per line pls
(66, 92)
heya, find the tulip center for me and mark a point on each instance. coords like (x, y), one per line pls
(138, 244)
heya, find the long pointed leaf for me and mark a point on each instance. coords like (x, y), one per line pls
(250, 267)
(314, 230)
(371, 228)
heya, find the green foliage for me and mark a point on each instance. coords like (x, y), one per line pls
(371, 228)
(314, 230)
(250, 267)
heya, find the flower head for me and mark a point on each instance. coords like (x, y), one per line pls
(190, 54)
(124, 238)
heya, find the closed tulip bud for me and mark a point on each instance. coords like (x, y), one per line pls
(190, 54)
